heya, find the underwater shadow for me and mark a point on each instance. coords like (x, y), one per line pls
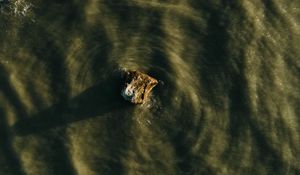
(10, 93)
(6, 147)
(102, 98)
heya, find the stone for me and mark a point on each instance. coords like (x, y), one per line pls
(138, 86)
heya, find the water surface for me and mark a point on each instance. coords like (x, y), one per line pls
(228, 104)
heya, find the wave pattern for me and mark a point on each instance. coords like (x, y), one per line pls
(228, 101)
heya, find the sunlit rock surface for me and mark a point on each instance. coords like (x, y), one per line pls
(137, 86)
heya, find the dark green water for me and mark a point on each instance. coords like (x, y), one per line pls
(228, 105)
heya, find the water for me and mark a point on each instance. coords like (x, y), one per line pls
(228, 104)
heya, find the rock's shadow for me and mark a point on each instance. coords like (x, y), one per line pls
(97, 100)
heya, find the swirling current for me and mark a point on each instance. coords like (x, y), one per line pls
(227, 102)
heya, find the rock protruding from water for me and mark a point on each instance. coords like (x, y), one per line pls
(137, 86)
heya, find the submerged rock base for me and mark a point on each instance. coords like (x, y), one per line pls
(137, 86)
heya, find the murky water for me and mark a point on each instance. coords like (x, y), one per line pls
(228, 104)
